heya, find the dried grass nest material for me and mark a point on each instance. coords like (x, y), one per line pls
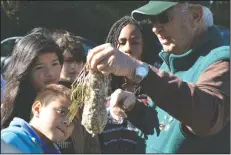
(90, 90)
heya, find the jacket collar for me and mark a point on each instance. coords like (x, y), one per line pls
(210, 40)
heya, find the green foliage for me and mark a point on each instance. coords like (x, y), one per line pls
(10, 7)
(90, 19)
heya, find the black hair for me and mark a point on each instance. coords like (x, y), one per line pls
(150, 43)
(116, 28)
(19, 92)
(67, 41)
(41, 30)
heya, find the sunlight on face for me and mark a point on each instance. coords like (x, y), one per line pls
(45, 70)
(56, 128)
(130, 41)
(71, 68)
(177, 35)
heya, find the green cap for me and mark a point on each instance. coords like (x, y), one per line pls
(152, 8)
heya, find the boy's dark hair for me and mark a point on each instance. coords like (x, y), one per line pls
(69, 42)
(51, 92)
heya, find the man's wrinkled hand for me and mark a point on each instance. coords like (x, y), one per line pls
(121, 102)
(109, 60)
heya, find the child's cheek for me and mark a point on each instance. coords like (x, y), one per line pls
(70, 130)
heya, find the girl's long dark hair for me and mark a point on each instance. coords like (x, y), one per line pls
(19, 93)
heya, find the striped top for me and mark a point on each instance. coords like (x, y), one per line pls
(121, 136)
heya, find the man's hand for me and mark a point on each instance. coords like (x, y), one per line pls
(107, 59)
(121, 102)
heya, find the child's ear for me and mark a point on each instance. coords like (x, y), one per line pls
(36, 107)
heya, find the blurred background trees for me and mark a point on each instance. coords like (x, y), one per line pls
(90, 19)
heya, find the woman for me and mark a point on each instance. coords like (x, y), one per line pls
(36, 61)
(122, 136)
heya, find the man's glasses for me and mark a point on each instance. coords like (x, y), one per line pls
(162, 18)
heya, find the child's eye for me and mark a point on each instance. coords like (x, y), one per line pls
(37, 68)
(122, 43)
(61, 112)
(69, 60)
(55, 64)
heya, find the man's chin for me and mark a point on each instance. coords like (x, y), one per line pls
(169, 49)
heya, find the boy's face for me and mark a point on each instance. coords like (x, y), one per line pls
(71, 68)
(52, 119)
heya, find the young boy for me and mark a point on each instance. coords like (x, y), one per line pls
(49, 123)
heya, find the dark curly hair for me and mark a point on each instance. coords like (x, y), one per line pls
(151, 46)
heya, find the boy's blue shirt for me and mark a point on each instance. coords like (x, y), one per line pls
(21, 135)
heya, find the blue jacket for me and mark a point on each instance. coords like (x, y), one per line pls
(21, 135)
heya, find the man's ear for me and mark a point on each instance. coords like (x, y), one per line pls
(197, 13)
(36, 108)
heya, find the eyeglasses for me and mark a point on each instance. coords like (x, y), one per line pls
(162, 18)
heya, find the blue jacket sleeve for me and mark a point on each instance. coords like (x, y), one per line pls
(14, 140)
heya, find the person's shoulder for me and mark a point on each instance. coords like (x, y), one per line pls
(14, 139)
(7, 148)
(220, 53)
(18, 138)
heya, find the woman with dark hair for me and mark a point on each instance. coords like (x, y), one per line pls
(121, 136)
(36, 61)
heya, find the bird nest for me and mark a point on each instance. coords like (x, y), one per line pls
(90, 90)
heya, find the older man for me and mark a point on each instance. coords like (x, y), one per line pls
(191, 89)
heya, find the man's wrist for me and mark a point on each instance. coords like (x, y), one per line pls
(135, 63)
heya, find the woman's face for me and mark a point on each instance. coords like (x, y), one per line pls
(130, 41)
(45, 70)
(71, 68)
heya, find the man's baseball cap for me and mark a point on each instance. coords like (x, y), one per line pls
(157, 7)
